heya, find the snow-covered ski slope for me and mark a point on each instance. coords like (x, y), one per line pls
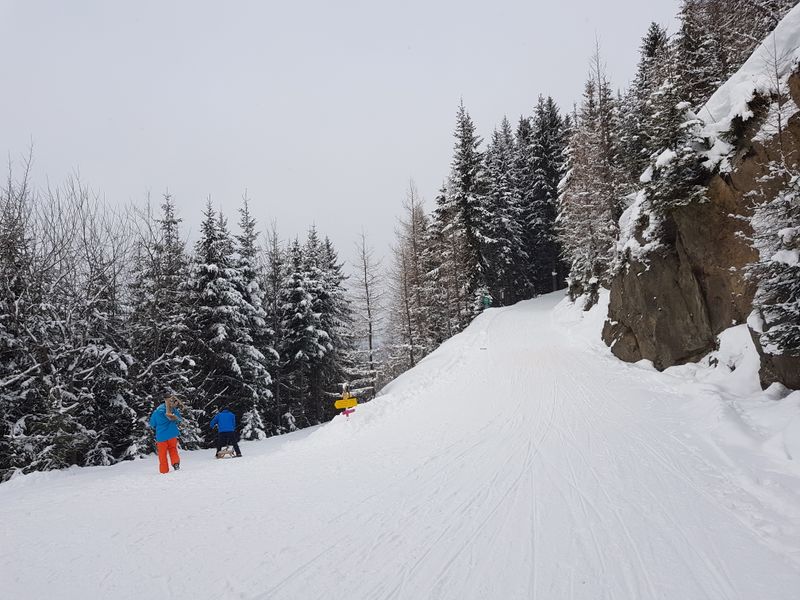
(519, 461)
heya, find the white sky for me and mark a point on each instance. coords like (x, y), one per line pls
(322, 110)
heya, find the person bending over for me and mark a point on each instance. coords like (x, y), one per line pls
(225, 422)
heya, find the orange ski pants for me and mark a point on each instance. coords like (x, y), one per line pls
(169, 446)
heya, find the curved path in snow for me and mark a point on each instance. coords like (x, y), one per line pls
(519, 461)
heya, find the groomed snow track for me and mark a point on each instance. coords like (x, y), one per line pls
(519, 461)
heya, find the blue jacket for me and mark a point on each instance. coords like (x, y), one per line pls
(166, 428)
(225, 420)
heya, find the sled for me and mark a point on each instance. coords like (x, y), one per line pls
(226, 452)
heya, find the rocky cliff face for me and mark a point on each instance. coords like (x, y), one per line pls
(670, 307)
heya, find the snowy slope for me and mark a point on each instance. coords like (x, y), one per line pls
(520, 460)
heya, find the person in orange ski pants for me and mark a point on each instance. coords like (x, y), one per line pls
(165, 421)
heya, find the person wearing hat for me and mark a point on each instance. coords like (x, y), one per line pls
(225, 422)
(165, 421)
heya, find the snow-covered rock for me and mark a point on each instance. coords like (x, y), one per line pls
(767, 69)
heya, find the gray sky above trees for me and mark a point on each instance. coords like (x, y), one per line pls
(322, 110)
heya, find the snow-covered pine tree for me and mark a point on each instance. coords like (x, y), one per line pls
(223, 347)
(590, 202)
(259, 356)
(776, 227)
(467, 192)
(442, 287)
(743, 25)
(317, 285)
(776, 232)
(716, 37)
(157, 323)
(700, 62)
(548, 143)
(304, 343)
(274, 274)
(505, 246)
(339, 365)
(525, 185)
(298, 341)
(675, 174)
(636, 108)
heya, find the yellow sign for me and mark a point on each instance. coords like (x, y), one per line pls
(346, 403)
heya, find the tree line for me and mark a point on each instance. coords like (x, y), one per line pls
(102, 315)
(490, 239)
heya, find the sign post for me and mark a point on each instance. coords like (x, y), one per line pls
(346, 402)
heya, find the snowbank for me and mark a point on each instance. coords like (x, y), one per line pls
(722, 394)
(730, 404)
(767, 68)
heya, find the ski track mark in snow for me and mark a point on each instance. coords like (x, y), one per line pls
(722, 581)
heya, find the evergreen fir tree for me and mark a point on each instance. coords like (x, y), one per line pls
(590, 201)
(317, 287)
(274, 276)
(776, 225)
(338, 367)
(157, 324)
(442, 260)
(701, 61)
(525, 188)
(228, 363)
(259, 356)
(636, 107)
(548, 142)
(467, 190)
(304, 342)
(505, 248)
(716, 37)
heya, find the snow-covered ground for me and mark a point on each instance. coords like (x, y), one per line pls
(520, 460)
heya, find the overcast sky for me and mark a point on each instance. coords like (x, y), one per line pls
(322, 110)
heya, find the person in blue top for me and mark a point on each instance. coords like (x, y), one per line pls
(225, 422)
(165, 421)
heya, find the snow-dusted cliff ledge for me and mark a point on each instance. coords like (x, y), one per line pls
(766, 72)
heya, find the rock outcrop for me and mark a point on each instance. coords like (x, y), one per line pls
(669, 307)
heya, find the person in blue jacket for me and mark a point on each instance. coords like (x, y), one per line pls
(165, 421)
(225, 422)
